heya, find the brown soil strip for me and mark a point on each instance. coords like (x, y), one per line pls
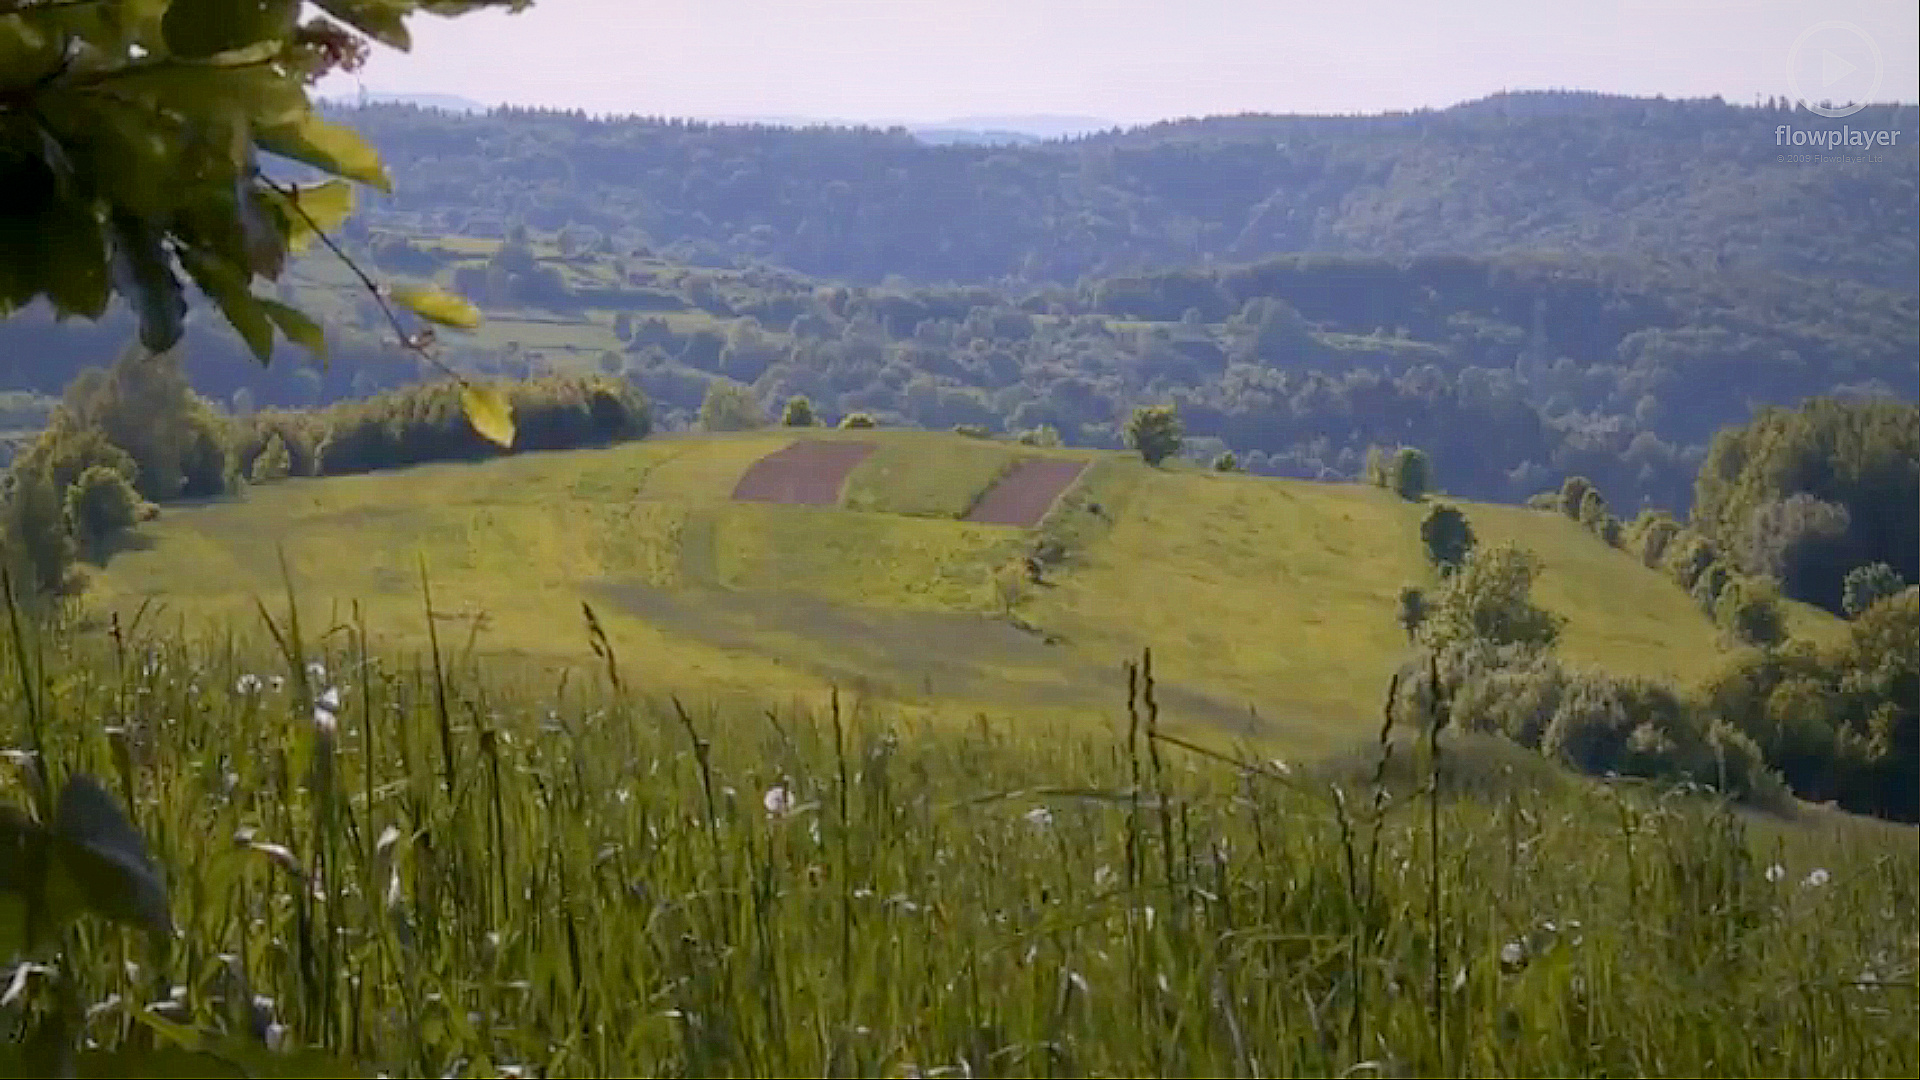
(809, 472)
(1026, 493)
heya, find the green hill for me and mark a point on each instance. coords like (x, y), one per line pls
(1269, 603)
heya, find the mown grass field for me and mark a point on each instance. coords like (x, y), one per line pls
(1269, 603)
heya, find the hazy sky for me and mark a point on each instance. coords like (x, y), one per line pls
(1135, 60)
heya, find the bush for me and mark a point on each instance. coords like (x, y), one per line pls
(418, 424)
(273, 462)
(1155, 431)
(1226, 462)
(1448, 537)
(855, 420)
(1867, 585)
(1044, 435)
(1489, 600)
(972, 431)
(1413, 610)
(798, 412)
(730, 406)
(1411, 475)
(1749, 609)
(99, 506)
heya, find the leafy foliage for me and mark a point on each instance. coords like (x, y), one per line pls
(1489, 600)
(798, 412)
(132, 142)
(1840, 723)
(1156, 432)
(1867, 585)
(730, 406)
(1808, 494)
(1447, 536)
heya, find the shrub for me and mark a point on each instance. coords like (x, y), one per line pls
(730, 406)
(1573, 495)
(273, 462)
(972, 431)
(1867, 585)
(1411, 474)
(1448, 537)
(857, 420)
(100, 505)
(1489, 600)
(1413, 610)
(1155, 431)
(1226, 462)
(1749, 609)
(1044, 435)
(798, 412)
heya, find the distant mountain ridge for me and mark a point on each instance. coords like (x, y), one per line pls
(1694, 181)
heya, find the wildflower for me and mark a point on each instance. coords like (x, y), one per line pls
(317, 672)
(1776, 872)
(1039, 817)
(778, 801)
(1816, 879)
(1513, 956)
(248, 683)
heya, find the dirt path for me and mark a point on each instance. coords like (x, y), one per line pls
(809, 472)
(1026, 493)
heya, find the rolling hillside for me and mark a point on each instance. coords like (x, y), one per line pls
(1269, 603)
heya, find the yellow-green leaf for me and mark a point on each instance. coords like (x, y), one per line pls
(437, 305)
(296, 326)
(329, 147)
(487, 410)
(315, 209)
(231, 290)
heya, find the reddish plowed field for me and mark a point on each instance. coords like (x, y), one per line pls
(1023, 496)
(805, 473)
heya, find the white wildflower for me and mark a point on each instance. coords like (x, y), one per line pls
(1816, 879)
(248, 683)
(316, 672)
(778, 801)
(1776, 872)
(1513, 956)
(1039, 817)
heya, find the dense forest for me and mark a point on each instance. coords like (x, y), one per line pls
(1529, 287)
(1702, 180)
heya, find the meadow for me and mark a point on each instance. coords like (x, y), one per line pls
(424, 866)
(1270, 602)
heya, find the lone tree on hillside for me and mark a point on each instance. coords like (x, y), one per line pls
(135, 150)
(1448, 538)
(1156, 432)
(798, 413)
(729, 406)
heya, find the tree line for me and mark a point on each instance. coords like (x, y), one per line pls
(127, 439)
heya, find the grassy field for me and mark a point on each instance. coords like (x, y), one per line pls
(1269, 603)
(448, 869)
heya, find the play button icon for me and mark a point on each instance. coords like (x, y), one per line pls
(1833, 68)
(1843, 49)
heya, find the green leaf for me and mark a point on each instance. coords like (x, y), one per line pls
(328, 147)
(381, 20)
(231, 290)
(319, 208)
(297, 327)
(105, 855)
(437, 305)
(487, 410)
(205, 28)
(144, 274)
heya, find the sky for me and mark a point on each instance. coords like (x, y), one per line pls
(1131, 61)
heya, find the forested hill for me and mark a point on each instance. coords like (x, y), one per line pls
(1698, 180)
